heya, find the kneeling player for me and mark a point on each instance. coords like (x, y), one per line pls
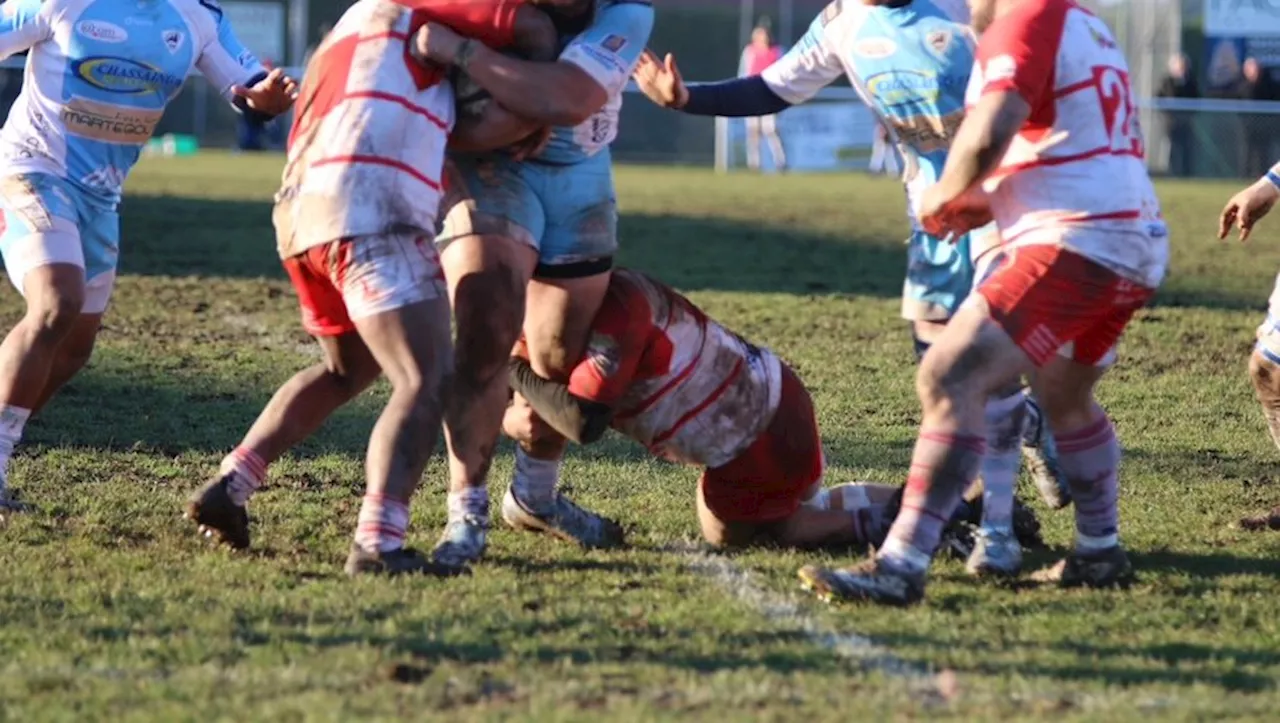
(354, 223)
(661, 372)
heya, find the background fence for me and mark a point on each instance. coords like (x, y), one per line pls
(1214, 134)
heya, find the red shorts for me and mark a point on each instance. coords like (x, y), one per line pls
(770, 479)
(343, 281)
(1053, 301)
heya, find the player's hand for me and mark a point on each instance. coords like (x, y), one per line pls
(1247, 208)
(531, 147)
(944, 217)
(272, 95)
(522, 424)
(436, 43)
(660, 80)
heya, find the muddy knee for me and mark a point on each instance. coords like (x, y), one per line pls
(489, 308)
(1265, 375)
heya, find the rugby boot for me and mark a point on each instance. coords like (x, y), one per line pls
(218, 516)
(462, 543)
(563, 519)
(996, 553)
(870, 581)
(404, 561)
(1104, 568)
(1040, 453)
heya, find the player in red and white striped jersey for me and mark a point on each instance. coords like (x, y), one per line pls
(1051, 148)
(355, 220)
(660, 371)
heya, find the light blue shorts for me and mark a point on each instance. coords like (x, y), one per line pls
(568, 214)
(47, 220)
(940, 276)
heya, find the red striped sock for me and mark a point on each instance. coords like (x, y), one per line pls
(382, 523)
(249, 471)
(943, 466)
(1090, 459)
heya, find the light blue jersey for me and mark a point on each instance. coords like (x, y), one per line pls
(608, 51)
(911, 66)
(98, 77)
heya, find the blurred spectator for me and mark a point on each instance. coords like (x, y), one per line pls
(759, 54)
(884, 159)
(1179, 83)
(1256, 83)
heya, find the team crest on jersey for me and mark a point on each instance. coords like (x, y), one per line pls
(875, 48)
(172, 40)
(613, 43)
(938, 42)
(1101, 39)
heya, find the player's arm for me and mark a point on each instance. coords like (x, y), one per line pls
(982, 140)
(239, 77)
(594, 67)
(23, 23)
(495, 128)
(806, 69)
(582, 408)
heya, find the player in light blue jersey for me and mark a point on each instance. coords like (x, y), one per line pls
(97, 79)
(910, 62)
(531, 240)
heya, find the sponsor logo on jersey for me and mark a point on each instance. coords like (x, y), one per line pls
(109, 123)
(172, 39)
(1101, 39)
(901, 87)
(122, 75)
(604, 354)
(613, 43)
(875, 48)
(938, 42)
(610, 61)
(106, 178)
(102, 31)
(245, 59)
(926, 133)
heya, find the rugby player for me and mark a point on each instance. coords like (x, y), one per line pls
(354, 221)
(98, 77)
(910, 62)
(1051, 148)
(1244, 210)
(663, 373)
(531, 242)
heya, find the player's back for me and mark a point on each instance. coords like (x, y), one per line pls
(911, 65)
(606, 47)
(700, 394)
(97, 80)
(1076, 174)
(368, 139)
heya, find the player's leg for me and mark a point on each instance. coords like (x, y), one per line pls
(569, 284)
(298, 407)
(1264, 374)
(100, 240)
(493, 223)
(1088, 449)
(44, 257)
(1020, 316)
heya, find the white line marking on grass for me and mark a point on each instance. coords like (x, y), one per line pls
(786, 612)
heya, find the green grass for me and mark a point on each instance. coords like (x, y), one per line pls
(112, 609)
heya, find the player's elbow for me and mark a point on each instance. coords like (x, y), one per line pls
(594, 421)
(577, 102)
(535, 34)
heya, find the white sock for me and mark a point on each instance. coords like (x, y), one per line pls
(1003, 460)
(250, 470)
(534, 481)
(12, 421)
(381, 524)
(470, 502)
